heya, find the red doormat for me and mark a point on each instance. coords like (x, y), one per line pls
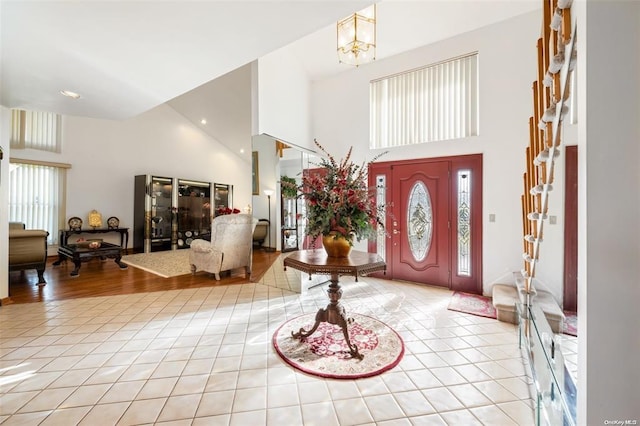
(570, 325)
(325, 352)
(473, 304)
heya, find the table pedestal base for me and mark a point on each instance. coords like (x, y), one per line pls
(335, 314)
(317, 262)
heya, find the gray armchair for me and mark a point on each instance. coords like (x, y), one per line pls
(230, 246)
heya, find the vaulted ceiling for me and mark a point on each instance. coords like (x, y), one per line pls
(126, 57)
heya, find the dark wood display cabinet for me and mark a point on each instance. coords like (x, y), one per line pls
(170, 213)
(152, 213)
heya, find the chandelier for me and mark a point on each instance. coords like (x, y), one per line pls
(357, 37)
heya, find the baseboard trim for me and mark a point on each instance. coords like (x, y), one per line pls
(6, 301)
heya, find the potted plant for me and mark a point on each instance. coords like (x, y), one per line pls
(288, 187)
(340, 205)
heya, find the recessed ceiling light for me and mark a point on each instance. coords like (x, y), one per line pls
(242, 151)
(70, 94)
(203, 121)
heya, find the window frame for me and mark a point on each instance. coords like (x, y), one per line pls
(60, 196)
(436, 102)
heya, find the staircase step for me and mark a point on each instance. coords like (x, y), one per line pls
(505, 297)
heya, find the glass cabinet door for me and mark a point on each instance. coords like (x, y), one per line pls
(194, 212)
(161, 217)
(289, 220)
(222, 198)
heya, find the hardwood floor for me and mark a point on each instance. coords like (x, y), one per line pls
(104, 278)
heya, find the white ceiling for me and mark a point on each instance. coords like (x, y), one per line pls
(125, 58)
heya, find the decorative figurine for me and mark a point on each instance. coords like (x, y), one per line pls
(95, 219)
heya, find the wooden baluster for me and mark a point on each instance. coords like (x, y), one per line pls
(542, 69)
(549, 134)
(525, 223)
(566, 25)
(547, 14)
(534, 139)
(554, 34)
(529, 172)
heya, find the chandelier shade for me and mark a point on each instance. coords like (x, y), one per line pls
(356, 37)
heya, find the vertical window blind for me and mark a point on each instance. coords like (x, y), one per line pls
(436, 102)
(36, 130)
(36, 196)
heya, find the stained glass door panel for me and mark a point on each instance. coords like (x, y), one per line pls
(420, 224)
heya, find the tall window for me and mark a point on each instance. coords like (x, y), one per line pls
(37, 188)
(433, 103)
(36, 130)
(36, 195)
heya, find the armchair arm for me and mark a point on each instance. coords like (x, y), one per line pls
(27, 246)
(203, 256)
(201, 246)
(28, 233)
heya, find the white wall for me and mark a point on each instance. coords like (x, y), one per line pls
(5, 135)
(283, 98)
(106, 155)
(609, 208)
(225, 104)
(507, 66)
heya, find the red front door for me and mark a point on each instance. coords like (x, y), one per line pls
(420, 243)
(433, 222)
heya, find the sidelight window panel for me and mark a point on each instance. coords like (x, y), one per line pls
(464, 222)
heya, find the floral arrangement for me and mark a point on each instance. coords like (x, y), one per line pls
(227, 210)
(339, 200)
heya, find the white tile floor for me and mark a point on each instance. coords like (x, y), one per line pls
(204, 357)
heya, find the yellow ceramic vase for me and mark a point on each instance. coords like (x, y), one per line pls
(336, 246)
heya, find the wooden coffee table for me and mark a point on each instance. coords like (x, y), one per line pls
(79, 253)
(317, 262)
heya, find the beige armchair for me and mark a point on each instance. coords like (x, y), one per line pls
(230, 246)
(27, 249)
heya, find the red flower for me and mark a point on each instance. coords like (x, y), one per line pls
(227, 210)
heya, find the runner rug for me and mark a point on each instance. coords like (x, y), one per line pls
(325, 352)
(166, 264)
(473, 304)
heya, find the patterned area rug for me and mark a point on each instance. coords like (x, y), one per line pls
(167, 264)
(570, 325)
(473, 304)
(325, 352)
